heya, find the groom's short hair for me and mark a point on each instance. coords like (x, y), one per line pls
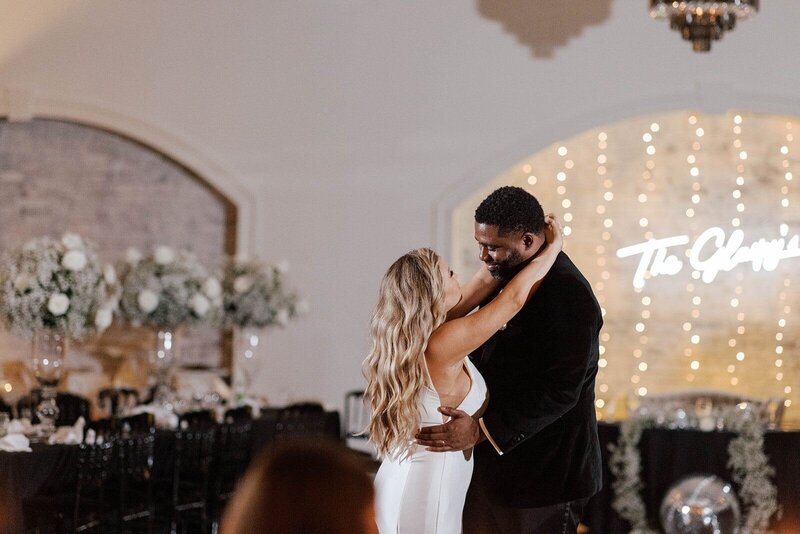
(511, 209)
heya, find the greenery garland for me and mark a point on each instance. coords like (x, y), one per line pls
(747, 460)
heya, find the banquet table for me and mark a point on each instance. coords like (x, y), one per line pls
(671, 454)
(53, 468)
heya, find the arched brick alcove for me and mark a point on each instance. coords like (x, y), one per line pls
(58, 175)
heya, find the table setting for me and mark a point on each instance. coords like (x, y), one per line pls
(688, 459)
(58, 295)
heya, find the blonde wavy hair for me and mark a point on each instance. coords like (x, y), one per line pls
(411, 305)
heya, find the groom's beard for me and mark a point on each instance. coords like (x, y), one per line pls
(513, 264)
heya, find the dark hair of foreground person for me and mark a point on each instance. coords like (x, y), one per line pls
(307, 487)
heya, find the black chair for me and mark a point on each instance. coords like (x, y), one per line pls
(183, 489)
(70, 407)
(232, 448)
(114, 401)
(237, 415)
(196, 419)
(103, 429)
(137, 424)
(303, 420)
(82, 510)
(135, 506)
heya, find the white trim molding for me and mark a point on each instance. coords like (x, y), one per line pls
(23, 103)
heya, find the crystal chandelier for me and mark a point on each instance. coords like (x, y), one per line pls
(703, 21)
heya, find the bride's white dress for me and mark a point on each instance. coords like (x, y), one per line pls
(423, 492)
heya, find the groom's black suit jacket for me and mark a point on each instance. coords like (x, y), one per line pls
(540, 371)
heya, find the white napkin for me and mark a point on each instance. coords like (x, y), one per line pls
(255, 405)
(69, 435)
(19, 426)
(164, 418)
(15, 443)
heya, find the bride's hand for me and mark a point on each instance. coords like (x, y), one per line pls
(553, 232)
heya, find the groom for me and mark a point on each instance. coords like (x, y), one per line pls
(537, 458)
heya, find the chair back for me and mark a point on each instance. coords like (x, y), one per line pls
(136, 451)
(70, 407)
(95, 468)
(117, 401)
(194, 449)
(231, 457)
(103, 429)
(305, 420)
(141, 423)
(238, 415)
(196, 419)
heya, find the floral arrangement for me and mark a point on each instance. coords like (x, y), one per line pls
(167, 289)
(746, 458)
(57, 285)
(255, 295)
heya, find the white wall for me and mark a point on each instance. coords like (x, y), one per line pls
(354, 121)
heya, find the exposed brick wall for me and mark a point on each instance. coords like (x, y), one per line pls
(57, 176)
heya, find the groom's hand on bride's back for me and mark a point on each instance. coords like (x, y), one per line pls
(461, 432)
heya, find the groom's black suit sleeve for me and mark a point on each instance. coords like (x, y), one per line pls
(565, 334)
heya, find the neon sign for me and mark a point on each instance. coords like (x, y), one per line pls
(710, 254)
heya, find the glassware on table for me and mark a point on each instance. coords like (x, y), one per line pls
(774, 412)
(49, 349)
(248, 359)
(163, 359)
(704, 410)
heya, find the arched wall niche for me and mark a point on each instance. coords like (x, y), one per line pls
(675, 174)
(119, 183)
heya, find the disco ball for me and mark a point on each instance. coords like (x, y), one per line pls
(700, 504)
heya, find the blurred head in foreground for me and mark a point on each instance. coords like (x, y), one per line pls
(303, 487)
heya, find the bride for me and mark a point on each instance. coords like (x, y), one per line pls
(421, 335)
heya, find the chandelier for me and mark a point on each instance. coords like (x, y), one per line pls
(703, 21)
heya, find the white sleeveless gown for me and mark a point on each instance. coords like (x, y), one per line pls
(423, 492)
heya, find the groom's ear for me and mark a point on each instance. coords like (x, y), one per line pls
(528, 239)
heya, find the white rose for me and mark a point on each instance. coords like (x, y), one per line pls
(282, 266)
(164, 255)
(242, 284)
(147, 300)
(109, 274)
(103, 318)
(58, 304)
(22, 282)
(302, 307)
(199, 304)
(212, 288)
(74, 260)
(72, 241)
(133, 256)
(282, 317)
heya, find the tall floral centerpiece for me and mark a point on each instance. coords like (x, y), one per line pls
(167, 291)
(255, 297)
(52, 291)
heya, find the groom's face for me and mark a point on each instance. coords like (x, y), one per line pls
(503, 253)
